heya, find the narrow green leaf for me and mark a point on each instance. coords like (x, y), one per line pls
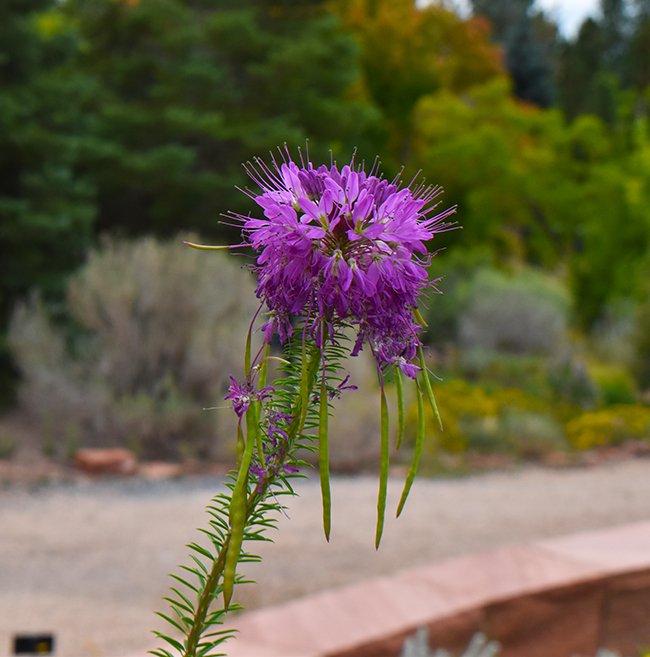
(417, 452)
(383, 468)
(428, 389)
(324, 459)
(160, 652)
(265, 366)
(195, 572)
(172, 642)
(401, 419)
(189, 607)
(201, 550)
(171, 621)
(184, 582)
(203, 569)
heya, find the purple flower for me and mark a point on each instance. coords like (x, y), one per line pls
(340, 246)
(335, 393)
(242, 394)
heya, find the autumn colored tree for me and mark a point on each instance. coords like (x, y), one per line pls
(409, 51)
(534, 189)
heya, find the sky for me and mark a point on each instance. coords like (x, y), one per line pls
(569, 13)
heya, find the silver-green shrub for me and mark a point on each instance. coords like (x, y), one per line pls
(479, 646)
(526, 313)
(418, 646)
(157, 327)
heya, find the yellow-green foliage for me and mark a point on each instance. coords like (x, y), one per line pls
(614, 383)
(469, 410)
(609, 426)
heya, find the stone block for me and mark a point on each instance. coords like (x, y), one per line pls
(626, 615)
(558, 623)
(116, 461)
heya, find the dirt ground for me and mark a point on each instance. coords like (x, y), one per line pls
(88, 560)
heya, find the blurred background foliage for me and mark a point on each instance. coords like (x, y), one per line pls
(125, 122)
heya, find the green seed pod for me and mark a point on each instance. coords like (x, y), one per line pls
(383, 468)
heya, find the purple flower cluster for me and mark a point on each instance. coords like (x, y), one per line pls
(342, 246)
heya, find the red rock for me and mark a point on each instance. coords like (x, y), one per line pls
(106, 461)
(158, 470)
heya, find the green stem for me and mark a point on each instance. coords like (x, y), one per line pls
(211, 584)
(216, 574)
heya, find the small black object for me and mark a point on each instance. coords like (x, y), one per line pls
(33, 644)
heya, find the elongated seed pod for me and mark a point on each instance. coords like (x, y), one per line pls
(417, 452)
(240, 444)
(427, 387)
(383, 468)
(324, 459)
(238, 507)
(401, 419)
(306, 375)
(237, 523)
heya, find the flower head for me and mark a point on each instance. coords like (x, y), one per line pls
(342, 246)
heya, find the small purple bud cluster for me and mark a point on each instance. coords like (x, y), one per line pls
(342, 246)
(274, 449)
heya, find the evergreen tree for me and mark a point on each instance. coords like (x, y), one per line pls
(639, 46)
(46, 209)
(531, 75)
(193, 89)
(530, 43)
(585, 84)
(615, 26)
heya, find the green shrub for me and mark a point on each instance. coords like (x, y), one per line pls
(532, 435)
(504, 370)
(157, 329)
(641, 342)
(8, 445)
(443, 310)
(571, 382)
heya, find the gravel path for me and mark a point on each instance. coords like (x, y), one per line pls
(89, 561)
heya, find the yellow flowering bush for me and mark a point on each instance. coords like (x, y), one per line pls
(609, 426)
(475, 416)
